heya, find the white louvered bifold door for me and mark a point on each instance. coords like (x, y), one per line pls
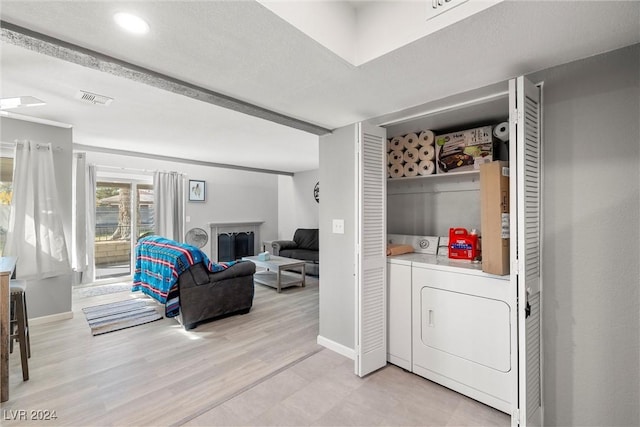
(526, 132)
(371, 333)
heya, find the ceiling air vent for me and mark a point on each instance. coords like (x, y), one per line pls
(93, 98)
(437, 7)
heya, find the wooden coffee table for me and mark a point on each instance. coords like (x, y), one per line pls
(275, 274)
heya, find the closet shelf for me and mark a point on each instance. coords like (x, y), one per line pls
(440, 177)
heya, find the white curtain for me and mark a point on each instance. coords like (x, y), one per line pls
(84, 218)
(169, 189)
(36, 234)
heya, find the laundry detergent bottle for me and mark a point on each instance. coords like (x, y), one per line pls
(463, 245)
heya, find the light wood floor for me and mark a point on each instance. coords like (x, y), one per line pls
(262, 368)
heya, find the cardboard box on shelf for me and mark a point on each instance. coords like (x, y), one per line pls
(464, 150)
(494, 217)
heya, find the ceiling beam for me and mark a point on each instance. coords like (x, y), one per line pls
(127, 153)
(47, 45)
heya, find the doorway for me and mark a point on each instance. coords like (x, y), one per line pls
(124, 211)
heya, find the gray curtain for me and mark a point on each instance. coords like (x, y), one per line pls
(79, 247)
(84, 218)
(89, 274)
(169, 189)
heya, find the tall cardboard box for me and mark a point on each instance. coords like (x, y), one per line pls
(494, 217)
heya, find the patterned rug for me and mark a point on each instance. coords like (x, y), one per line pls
(119, 315)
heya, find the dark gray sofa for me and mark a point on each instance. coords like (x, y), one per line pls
(305, 246)
(207, 296)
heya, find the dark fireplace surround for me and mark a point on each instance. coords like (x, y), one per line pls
(232, 240)
(235, 245)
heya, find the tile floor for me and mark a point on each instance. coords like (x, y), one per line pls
(323, 391)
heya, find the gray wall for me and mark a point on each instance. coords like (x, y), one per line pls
(231, 195)
(591, 276)
(53, 295)
(432, 212)
(296, 206)
(337, 261)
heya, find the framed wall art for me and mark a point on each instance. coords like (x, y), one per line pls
(196, 190)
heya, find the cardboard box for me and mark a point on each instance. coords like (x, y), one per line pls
(494, 217)
(465, 150)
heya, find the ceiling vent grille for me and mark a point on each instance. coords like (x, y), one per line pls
(437, 7)
(93, 98)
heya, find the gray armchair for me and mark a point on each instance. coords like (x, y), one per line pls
(206, 296)
(305, 246)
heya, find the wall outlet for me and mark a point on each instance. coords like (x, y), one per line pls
(338, 226)
(187, 219)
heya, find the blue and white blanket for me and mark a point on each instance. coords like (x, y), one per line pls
(159, 263)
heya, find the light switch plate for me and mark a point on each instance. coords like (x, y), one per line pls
(338, 226)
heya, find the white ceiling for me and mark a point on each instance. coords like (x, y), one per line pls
(244, 50)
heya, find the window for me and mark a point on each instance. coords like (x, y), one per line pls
(6, 180)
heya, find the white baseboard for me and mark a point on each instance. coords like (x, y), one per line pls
(338, 348)
(52, 318)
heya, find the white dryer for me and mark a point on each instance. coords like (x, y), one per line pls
(462, 333)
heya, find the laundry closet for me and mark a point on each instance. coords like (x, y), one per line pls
(448, 320)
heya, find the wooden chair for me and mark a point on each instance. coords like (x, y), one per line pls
(20, 323)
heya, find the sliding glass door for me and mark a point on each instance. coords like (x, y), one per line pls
(124, 211)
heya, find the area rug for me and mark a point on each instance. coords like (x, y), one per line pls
(120, 315)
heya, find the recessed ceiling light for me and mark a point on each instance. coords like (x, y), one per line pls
(131, 23)
(20, 101)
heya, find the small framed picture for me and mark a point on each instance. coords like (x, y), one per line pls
(196, 191)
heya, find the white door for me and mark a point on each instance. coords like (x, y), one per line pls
(371, 232)
(525, 131)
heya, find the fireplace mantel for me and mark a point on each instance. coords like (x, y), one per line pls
(233, 227)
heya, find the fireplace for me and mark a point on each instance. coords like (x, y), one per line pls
(233, 240)
(235, 245)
